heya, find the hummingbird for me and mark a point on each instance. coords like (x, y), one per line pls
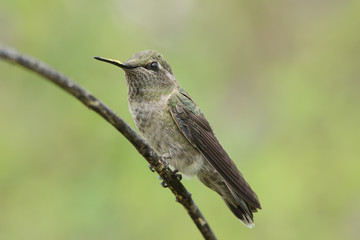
(175, 127)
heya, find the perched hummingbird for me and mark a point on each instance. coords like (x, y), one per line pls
(172, 123)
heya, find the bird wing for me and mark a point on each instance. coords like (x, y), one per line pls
(193, 124)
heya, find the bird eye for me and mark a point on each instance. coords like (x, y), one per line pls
(154, 66)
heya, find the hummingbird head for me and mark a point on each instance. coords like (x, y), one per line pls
(148, 75)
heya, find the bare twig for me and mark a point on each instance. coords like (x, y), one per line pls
(182, 195)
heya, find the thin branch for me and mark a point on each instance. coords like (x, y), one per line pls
(170, 179)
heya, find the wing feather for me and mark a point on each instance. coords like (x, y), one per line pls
(193, 124)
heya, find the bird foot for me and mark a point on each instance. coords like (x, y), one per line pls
(178, 175)
(163, 157)
(166, 157)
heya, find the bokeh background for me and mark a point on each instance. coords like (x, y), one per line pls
(278, 81)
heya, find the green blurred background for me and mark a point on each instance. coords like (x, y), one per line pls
(278, 81)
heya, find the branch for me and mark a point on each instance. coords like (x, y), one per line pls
(181, 194)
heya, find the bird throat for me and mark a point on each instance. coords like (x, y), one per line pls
(147, 89)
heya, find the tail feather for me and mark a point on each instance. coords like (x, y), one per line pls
(242, 209)
(242, 212)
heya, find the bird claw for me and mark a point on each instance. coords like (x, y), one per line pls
(166, 157)
(151, 168)
(163, 157)
(162, 182)
(178, 175)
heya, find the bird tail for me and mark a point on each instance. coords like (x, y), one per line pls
(240, 208)
(242, 211)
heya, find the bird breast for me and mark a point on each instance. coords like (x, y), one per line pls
(156, 125)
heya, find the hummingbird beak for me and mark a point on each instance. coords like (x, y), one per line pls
(115, 62)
